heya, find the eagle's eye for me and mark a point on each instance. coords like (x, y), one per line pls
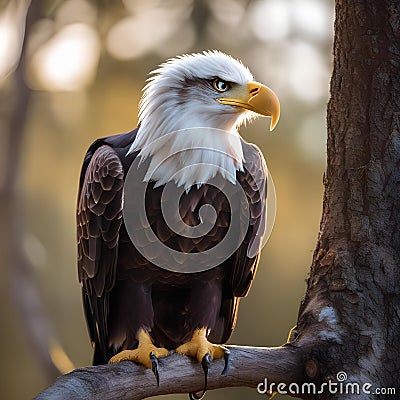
(221, 85)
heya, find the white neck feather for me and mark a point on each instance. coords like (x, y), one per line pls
(193, 156)
(187, 147)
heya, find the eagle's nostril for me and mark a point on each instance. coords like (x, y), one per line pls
(254, 91)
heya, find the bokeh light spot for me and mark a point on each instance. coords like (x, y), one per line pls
(68, 61)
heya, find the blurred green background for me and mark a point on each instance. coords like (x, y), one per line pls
(83, 66)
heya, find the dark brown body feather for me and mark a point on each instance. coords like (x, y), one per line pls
(123, 292)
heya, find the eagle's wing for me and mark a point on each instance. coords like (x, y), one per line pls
(243, 264)
(254, 183)
(99, 218)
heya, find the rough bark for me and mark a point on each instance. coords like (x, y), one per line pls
(349, 319)
(355, 268)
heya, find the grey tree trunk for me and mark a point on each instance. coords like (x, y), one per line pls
(354, 283)
(18, 285)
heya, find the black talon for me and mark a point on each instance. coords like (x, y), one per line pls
(227, 353)
(194, 396)
(205, 363)
(154, 367)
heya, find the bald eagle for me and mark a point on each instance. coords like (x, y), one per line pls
(140, 302)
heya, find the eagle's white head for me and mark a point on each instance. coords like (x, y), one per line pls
(189, 114)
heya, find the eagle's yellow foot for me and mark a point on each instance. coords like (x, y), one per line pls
(146, 354)
(204, 351)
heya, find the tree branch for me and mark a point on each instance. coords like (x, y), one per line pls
(250, 366)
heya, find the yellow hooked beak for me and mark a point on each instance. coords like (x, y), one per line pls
(257, 98)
